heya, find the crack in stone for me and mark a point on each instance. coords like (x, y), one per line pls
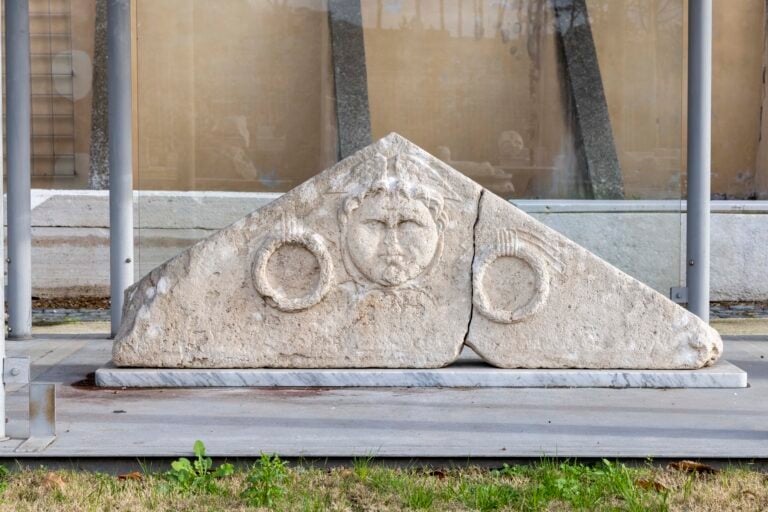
(472, 265)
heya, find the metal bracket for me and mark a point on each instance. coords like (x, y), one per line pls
(42, 404)
(679, 294)
(42, 418)
(16, 370)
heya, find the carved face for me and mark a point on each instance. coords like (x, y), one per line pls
(511, 143)
(391, 238)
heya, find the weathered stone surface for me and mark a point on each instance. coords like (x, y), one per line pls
(98, 176)
(350, 76)
(366, 265)
(392, 259)
(541, 301)
(593, 135)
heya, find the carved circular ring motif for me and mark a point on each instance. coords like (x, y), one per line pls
(314, 244)
(541, 286)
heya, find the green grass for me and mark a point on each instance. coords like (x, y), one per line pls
(202, 484)
(54, 323)
(265, 484)
(198, 474)
(419, 496)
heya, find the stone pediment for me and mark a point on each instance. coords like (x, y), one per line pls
(392, 259)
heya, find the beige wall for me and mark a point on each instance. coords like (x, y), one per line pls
(761, 182)
(253, 105)
(83, 33)
(737, 81)
(165, 94)
(455, 79)
(231, 95)
(640, 51)
(61, 44)
(641, 47)
(238, 95)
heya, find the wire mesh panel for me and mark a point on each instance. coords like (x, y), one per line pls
(52, 88)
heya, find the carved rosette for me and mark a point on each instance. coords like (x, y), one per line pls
(314, 243)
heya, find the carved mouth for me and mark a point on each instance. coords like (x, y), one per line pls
(395, 274)
(394, 261)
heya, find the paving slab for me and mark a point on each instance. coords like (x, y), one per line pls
(390, 422)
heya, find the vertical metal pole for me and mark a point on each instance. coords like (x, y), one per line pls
(2, 288)
(18, 122)
(120, 154)
(699, 154)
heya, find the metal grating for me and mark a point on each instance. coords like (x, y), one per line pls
(52, 73)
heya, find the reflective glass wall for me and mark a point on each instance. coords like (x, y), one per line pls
(566, 103)
(477, 81)
(534, 99)
(527, 97)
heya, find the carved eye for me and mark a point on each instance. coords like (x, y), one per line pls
(374, 223)
(409, 223)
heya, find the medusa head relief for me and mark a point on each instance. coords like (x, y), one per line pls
(392, 222)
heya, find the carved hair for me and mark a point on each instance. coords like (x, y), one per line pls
(398, 185)
(432, 200)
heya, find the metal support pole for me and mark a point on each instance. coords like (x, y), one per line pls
(2, 288)
(18, 123)
(120, 154)
(699, 154)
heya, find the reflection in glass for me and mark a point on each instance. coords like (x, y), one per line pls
(482, 84)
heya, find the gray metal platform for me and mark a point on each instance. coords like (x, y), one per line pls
(391, 422)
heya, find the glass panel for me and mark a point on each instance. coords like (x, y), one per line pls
(476, 84)
(61, 34)
(237, 99)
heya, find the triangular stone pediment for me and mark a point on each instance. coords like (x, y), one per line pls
(392, 259)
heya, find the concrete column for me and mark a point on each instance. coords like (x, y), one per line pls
(120, 154)
(98, 175)
(699, 154)
(350, 76)
(18, 122)
(593, 135)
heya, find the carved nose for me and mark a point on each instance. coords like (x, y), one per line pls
(391, 243)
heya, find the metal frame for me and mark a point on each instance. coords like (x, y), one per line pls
(19, 136)
(42, 418)
(120, 155)
(16, 370)
(2, 288)
(699, 154)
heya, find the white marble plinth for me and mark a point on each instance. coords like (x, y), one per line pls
(468, 372)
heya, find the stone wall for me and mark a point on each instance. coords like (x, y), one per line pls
(70, 254)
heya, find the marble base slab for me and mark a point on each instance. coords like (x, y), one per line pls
(468, 372)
